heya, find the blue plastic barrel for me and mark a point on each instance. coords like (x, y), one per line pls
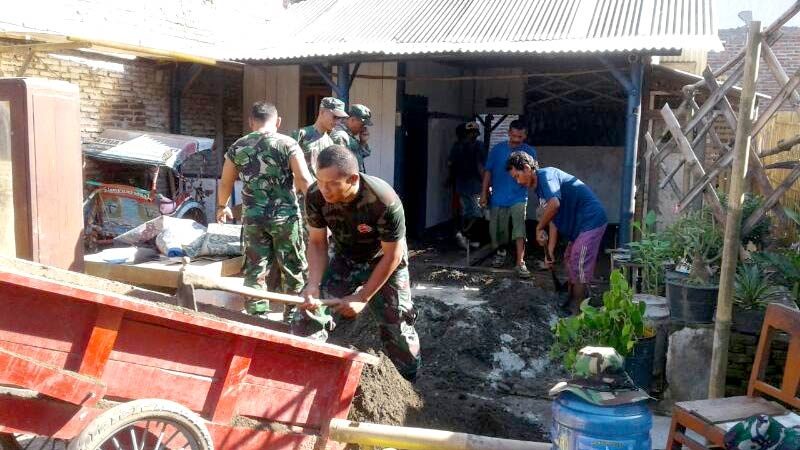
(580, 425)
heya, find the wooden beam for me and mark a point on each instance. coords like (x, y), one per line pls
(101, 341)
(783, 165)
(224, 395)
(46, 47)
(776, 68)
(778, 100)
(25, 64)
(685, 147)
(717, 95)
(671, 175)
(783, 146)
(652, 145)
(733, 220)
(720, 164)
(771, 201)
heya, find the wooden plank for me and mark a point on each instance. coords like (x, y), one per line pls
(720, 164)
(223, 398)
(771, 201)
(777, 101)
(19, 370)
(783, 146)
(43, 416)
(658, 160)
(226, 437)
(717, 96)
(157, 273)
(720, 410)
(101, 341)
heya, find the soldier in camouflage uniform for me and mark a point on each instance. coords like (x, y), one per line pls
(367, 225)
(347, 133)
(315, 138)
(272, 168)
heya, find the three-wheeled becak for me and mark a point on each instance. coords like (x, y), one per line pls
(135, 176)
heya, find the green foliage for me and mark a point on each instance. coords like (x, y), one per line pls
(619, 323)
(754, 288)
(759, 235)
(786, 265)
(697, 238)
(651, 251)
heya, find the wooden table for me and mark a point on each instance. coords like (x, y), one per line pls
(162, 273)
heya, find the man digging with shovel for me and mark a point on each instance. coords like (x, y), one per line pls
(369, 265)
(575, 212)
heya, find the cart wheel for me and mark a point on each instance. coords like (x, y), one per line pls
(9, 442)
(148, 424)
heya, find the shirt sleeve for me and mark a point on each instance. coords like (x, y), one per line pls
(339, 138)
(230, 154)
(314, 202)
(549, 187)
(392, 225)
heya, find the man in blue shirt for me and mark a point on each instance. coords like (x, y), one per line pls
(576, 214)
(508, 200)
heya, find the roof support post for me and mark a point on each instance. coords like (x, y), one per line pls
(633, 88)
(343, 83)
(183, 75)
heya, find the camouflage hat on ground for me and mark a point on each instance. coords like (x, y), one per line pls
(335, 105)
(363, 113)
(600, 379)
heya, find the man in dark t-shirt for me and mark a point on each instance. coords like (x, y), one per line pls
(367, 224)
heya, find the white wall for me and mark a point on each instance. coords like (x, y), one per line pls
(443, 97)
(513, 89)
(380, 96)
(279, 85)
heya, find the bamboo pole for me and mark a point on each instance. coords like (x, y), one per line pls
(730, 249)
(370, 434)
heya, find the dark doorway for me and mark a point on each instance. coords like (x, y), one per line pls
(413, 185)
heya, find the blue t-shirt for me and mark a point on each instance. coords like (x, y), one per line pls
(505, 191)
(580, 209)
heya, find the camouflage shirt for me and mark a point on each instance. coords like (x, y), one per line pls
(263, 163)
(312, 142)
(342, 135)
(358, 227)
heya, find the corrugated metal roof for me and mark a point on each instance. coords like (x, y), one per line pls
(331, 28)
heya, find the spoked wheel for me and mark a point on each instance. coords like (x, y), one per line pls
(9, 442)
(145, 425)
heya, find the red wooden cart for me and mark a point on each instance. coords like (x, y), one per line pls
(107, 370)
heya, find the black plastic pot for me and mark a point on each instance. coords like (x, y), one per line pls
(747, 321)
(690, 303)
(639, 364)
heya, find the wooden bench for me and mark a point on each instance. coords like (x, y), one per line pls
(712, 418)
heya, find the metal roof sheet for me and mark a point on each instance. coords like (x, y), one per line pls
(340, 28)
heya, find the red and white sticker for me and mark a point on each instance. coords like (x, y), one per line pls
(364, 228)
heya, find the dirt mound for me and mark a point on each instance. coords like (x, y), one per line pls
(485, 368)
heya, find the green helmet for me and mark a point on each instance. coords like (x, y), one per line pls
(600, 378)
(361, 112)
(335, 105)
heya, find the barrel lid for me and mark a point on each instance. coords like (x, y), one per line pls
(656, 307)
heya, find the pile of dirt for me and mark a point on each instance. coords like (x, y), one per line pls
(485, 369)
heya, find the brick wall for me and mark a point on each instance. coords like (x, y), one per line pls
(787, 50)
(742, 354)
(134, 94)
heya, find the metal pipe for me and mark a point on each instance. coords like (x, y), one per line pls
(370, 434)
(343, 83)
(627, 195)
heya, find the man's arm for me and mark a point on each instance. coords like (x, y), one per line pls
(393, 253)
(302, 177)
(487, 182)
(229, 175)
(550, 211)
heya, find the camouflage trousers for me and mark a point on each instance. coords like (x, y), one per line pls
(270, 247)
(391, 308)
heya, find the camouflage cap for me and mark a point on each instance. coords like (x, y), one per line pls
(471, 126)
(600, 379)
(335, 105)
(363, 113)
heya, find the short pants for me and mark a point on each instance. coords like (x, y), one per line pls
(498, 223)
(581, 255)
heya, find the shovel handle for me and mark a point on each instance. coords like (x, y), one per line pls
(221, 284)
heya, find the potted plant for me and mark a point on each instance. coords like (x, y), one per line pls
(696, 240)
(619, 323)
(652, 252)
(754, 290)
(786, 265)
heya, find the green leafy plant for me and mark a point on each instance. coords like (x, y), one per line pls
(696, 238)
(754, 288)
(651, 251)
(619, 323)
(786, 265)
